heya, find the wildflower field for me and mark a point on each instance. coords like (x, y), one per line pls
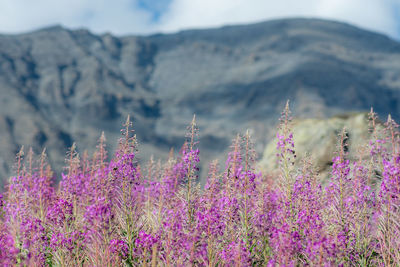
(115, 212)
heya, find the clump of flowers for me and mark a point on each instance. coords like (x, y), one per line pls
(113, 212)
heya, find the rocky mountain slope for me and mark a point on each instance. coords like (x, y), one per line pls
(319, 139)
(58, 86)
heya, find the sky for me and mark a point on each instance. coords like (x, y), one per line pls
(124, 17)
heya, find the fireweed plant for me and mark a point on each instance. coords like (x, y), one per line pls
(114, 212)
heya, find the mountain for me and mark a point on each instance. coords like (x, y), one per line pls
(59, 86)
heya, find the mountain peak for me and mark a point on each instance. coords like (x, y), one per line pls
(53, 28)
(65, 88)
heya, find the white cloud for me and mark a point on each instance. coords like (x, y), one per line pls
(126, 16)
(376, 15)
(117, 16)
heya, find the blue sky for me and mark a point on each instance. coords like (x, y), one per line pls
(123, 17)
(156, 8)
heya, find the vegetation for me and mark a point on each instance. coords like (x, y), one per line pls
(118, 213)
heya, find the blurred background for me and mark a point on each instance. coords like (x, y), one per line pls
(70, 69)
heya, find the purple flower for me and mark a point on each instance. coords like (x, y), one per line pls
(60, 213)
(119, 247)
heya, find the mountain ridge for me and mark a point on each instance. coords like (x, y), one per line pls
(60, 86)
